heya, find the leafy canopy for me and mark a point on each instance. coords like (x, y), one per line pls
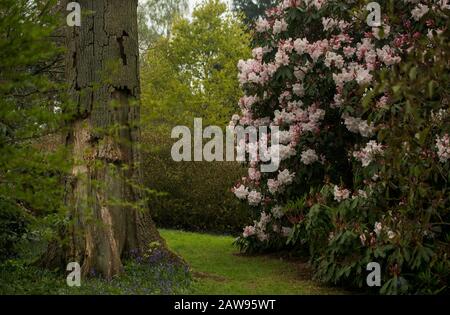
(193, 73)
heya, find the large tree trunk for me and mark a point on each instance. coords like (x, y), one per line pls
(102, 69)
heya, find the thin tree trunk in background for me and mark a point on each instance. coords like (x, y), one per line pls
(102, 70)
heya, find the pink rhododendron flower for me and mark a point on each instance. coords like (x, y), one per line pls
(285, 177)
(363, 239)
(419, 11)
(309, 157)
(378, 228)
(301, 45)
(367, 155)
(298, 89)
(273, 186)
(241, 192)
(341, 194)
(254, 198)
(357, 125)
(387, 55)
(249, 231)
(262, 25)
(279, 26)
(443, 147)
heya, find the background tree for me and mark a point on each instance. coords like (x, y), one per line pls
(193, 74)
(155, 19)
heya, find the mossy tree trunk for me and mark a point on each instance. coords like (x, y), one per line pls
(102, 69)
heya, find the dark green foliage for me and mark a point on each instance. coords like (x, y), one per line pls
(410, 200)
(30, 112)
(12, 226)
(253, 9)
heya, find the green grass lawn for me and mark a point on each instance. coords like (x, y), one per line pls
(219, 269)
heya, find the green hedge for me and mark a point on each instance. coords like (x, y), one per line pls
(197, 196)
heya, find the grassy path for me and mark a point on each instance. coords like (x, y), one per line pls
(219, 270)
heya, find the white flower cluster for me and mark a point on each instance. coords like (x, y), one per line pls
(303, 3)
(368, 154)
(330, 23)
(378, 228)
(309, 157)
(259, 228)
(284, 179)
(377, 231)
(241, 192)
(422, 9)
(419, 11)
(254, 198)
(279, 26)
(357, 125)
(443, 147)
(388, 56)
(341, 194)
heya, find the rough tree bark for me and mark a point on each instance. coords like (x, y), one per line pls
(102, 69)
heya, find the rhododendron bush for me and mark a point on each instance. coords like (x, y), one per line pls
(364, 140)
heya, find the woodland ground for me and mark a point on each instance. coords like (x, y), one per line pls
(217, 268)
